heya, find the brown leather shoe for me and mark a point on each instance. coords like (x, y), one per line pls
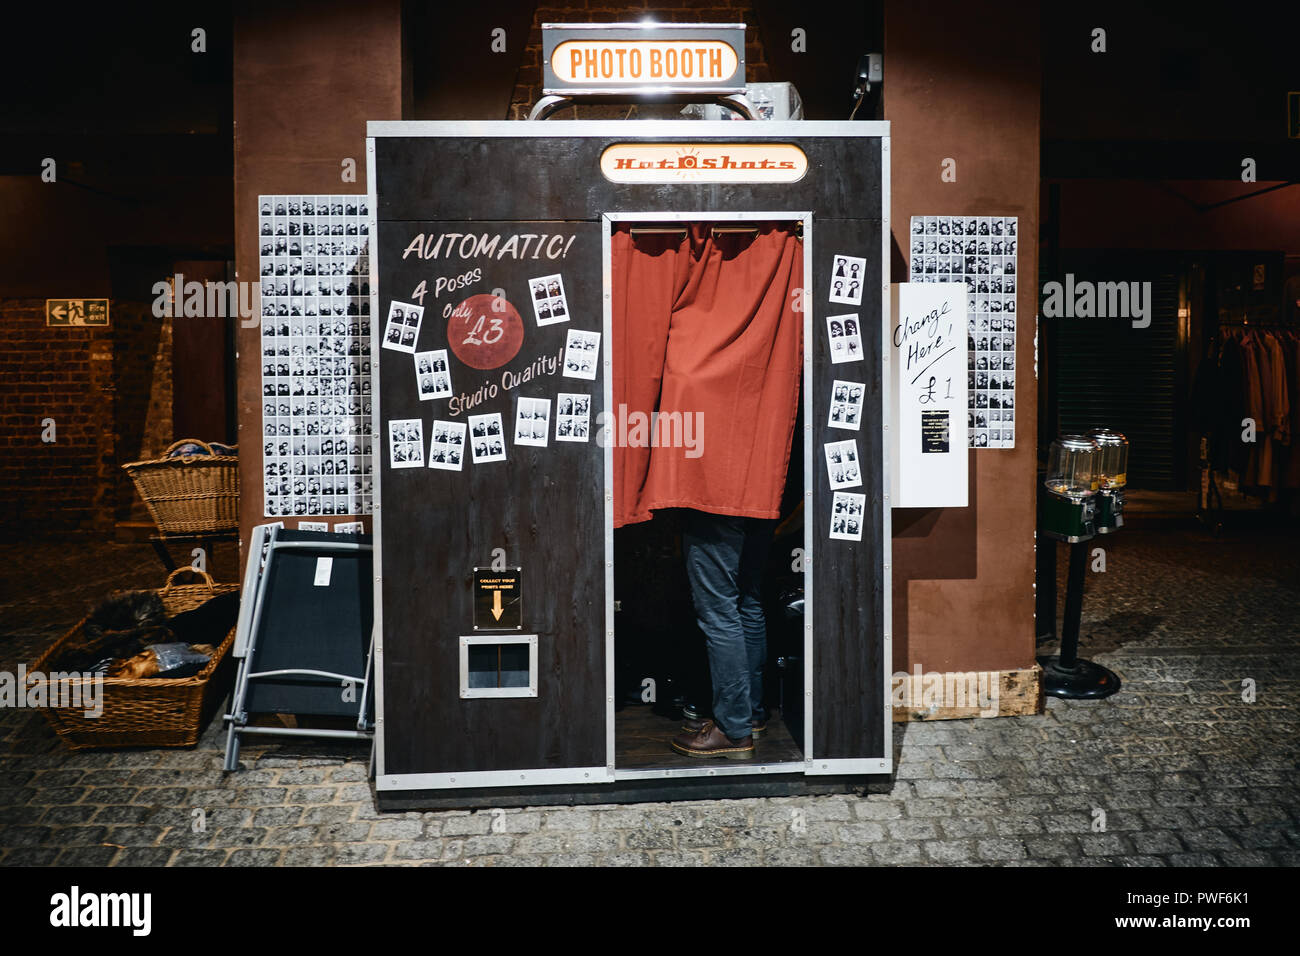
(695, 725)
(710, 741)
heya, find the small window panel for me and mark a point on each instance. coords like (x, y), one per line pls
(498, 666)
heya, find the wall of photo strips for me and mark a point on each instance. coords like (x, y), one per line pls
(981, 252)
(316, 401)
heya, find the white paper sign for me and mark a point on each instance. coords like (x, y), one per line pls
(928, 395)
(324, 567)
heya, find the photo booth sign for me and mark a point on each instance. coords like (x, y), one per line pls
(491, 259)
(617, 58)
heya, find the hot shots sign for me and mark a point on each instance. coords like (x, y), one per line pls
(703, 163)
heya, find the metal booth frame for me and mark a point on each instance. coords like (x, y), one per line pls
(591, 777)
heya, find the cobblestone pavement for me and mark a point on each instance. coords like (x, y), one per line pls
(1184, 770)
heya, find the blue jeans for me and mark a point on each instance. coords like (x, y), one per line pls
(725, 556)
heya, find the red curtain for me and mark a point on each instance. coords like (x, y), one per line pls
(707, 341)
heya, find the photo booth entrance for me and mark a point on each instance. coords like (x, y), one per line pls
(706, 337)
(586, 333)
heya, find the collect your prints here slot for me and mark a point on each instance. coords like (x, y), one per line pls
(496, 667)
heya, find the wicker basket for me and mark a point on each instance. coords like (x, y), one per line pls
(153, 711)
(191, 494)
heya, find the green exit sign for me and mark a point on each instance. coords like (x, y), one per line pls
(76, 312)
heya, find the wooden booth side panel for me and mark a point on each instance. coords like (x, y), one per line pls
(542, 506)
(848, 599)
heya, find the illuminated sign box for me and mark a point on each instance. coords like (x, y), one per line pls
(703, 163)
(622, 58)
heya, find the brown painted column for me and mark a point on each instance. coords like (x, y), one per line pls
(308, 76)
(963, 82)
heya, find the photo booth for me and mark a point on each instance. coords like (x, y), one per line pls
(505, 247)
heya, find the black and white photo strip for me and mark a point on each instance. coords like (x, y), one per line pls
(845, 338)
(406, 443)
(847, 511)
(447, 447)
(846, 405)
(402, 330)
(847, 275)
(979, 251)
(432, 376)
(581, 354)
(842, 465)
(533, 422)
(486, 438)
(549, 304)
(314, 272)
(572, 417)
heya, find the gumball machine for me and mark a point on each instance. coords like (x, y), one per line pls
(1069, 506)
(1112, 475)
(1067, 512)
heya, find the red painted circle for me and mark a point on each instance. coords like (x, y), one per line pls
(485, 331)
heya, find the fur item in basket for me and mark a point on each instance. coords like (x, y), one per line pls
(121, 626)
(125, 611)
(164, 660)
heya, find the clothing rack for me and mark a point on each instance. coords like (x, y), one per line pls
(1225, 384)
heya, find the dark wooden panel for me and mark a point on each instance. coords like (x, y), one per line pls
(544, 506)
(199, 349)
(848, 603)
(539, 178)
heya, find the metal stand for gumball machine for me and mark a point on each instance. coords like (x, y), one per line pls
(1068, 514)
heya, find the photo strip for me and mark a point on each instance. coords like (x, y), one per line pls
(846, 405)
(847, 512)
(979, 251)
(447, 447)
(350, 527)
(402, 330)
(533, 422)
(314, 271)
(406, 443)
(572, 417)
(842, 465)
(549, 303)
(431, 374)
(847, 276)
(845, 338)
(581, 354)
(486, 437)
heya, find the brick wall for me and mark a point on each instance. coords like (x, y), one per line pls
(64, 375)
(528, 82)
(108, 394)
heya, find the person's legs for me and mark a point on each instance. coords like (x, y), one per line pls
(714, 546)
(757, 543)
